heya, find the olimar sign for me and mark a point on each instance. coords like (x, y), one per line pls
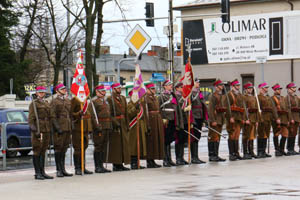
(245, 38)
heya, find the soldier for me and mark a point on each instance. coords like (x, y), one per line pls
(234, 118)
(137, 113)
(250, 126)
(155, 136)
(39, 123)
(181, 135)
(200, 115)
(216, 112)
(264, 125)
(292, 102)
(119, 151)
(169, 109)
(281, 121)
(102, 128)
(61, 121)
(77, 115)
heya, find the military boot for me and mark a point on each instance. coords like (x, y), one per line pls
(195, 157)
(59, 172)
(276, 145)
(265, 141)
(63, 158)
(251, 148)
(170, 156)
(77, 164)
(291, 146)
(85, 171)
(42, 167)
(150, 164)
(155, 164)
(97, 162)
(134, 163)
(166, 158)
(231, 150)
(36, 163)
(282, 145)
(247, 155)
(216, 145)
(211, 152)
(102, 158)
(260, 148)
(236, 150)
(178, 152)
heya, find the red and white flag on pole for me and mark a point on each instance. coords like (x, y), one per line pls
(187, 80)
(80, 86)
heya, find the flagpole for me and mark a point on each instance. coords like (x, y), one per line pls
(189, 104)
(82, 151)
(138, 141)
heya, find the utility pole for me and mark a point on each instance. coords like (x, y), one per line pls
(171, 47)
(67, 78)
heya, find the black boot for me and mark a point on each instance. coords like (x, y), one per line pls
(265, 141)
(211, 152)
(251, 148)
(117, 167)
(155, 164)
(59, 172)
(150, 164)
(260, 148)
(36, 163)
(170, 156)
(282, 145)
(178, 152)
(276, 145)
(77, 164)
(231, 150)
(247, 156)
(216, 145)
(166, 158)
(97, 162)
(236, 150)
(42, 167)
(63, 158)
(291, 146)
(134, 163)
(195, 157)
(102, 158)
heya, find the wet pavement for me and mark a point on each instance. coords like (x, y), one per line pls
(271, 178)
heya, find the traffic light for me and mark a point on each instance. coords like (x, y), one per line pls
(225, 8)
(149, 14)
(122, 79)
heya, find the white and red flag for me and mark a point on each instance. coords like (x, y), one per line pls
(80, 86)
(139, 89)
(187, 80)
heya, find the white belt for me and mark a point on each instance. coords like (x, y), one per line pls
(168, 109)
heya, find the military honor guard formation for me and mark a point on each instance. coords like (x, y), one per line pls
(127, 132)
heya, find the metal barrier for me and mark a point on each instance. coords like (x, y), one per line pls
(4, 147)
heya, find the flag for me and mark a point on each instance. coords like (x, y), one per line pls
(187, 80)
(80, 86)
(139, 89)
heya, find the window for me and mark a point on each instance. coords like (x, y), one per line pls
(15, 116)
(276, 36)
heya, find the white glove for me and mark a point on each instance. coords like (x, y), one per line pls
(188, 108)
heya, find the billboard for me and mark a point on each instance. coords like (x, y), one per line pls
(245, 38)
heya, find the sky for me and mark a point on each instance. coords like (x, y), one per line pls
(115, 33)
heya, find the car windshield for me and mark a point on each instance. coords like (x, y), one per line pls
(15, 116)
(26, 115)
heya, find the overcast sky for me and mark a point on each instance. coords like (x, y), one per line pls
(115, 33)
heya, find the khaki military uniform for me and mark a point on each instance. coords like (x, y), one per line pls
(155, 136)
(249, 130)
(40, 145)
(119, 150)
(61, 112)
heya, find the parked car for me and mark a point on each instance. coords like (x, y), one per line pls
(18, 134)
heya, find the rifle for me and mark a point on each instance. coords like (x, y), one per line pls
(257, 101)
(94, 111)
(36, 118)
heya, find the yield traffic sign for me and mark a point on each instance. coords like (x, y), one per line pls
(137, 39)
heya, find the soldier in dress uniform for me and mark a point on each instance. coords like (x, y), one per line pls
(102, 127)
(251, 123)
(181, 135)
(40, 125)
(155, 136)
(77, 115)
(216, 115)
(199, 116)
(264, 125)
(119, 150)
(234, 118)
(61, 121)
(170, 114)
(292, 102)
(281, 121)
(137, 114)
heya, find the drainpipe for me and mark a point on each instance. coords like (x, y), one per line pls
(292, 60)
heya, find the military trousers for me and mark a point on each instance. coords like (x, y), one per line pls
(198, 124)
(169, 132)
(76, 140)
(212, 135)
(249, 131)
(40, 145)
(234, 130)
(280, 130)
(101, 141)
(264, 129)
(62, 141)
(293, 129)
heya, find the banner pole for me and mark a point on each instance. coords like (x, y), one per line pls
(138, 142)
(82, 146)
(189, 130)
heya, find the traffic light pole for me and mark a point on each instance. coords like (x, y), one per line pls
(119, 64)
(171, 46)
